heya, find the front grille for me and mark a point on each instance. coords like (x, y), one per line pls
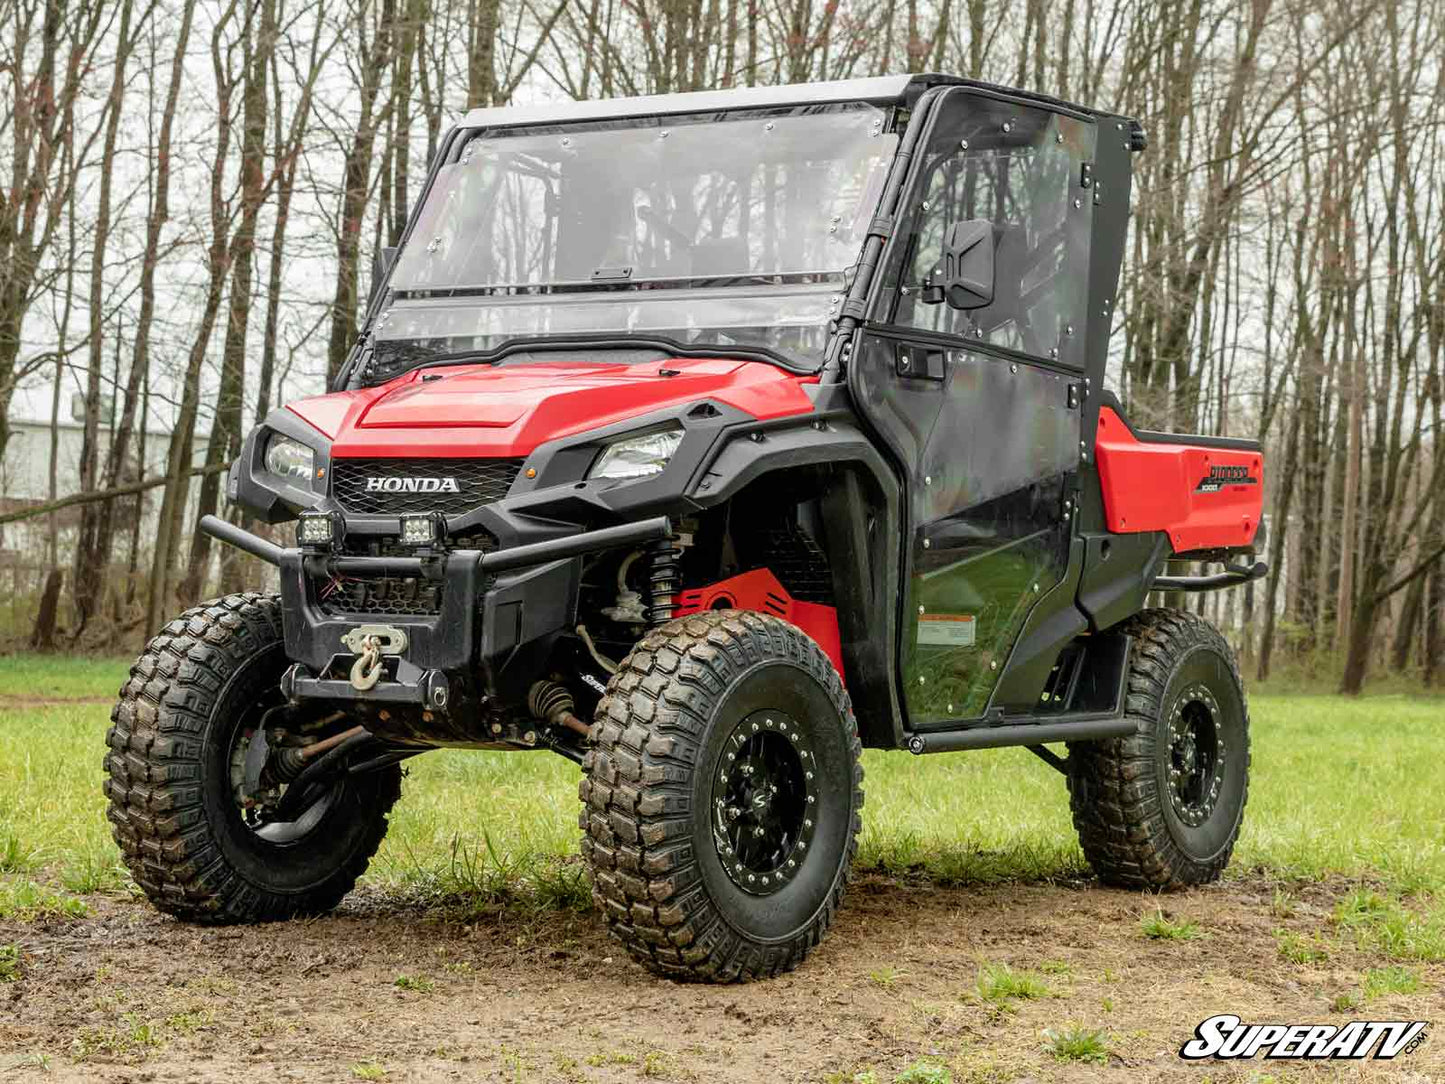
(390, 596)
(385, 596)
(356, 484)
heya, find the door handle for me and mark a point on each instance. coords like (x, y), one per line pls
(921, 362)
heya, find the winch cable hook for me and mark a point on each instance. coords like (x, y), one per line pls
(367, 669)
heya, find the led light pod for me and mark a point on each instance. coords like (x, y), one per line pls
(317, 529)
(424, 529)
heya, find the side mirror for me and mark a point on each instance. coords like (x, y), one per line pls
(964, 277)
(380, 268)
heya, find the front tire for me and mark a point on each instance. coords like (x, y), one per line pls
(1162, 807)
(179, 730)
(722, 797)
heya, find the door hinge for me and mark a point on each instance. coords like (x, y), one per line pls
(1075, 396)
(1086, 175)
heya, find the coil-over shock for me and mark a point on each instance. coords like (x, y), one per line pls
(664, 579)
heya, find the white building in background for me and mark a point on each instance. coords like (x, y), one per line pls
(25, 546)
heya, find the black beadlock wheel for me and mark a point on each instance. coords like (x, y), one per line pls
(722, 797)
(177, 746)
(1162, 807)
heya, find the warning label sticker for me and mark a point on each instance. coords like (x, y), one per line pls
(946, 630)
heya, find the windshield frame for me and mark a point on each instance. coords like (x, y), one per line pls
(459, 139)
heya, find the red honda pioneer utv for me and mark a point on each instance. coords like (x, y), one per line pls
(705, 440)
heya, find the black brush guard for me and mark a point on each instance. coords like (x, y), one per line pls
(485, 646)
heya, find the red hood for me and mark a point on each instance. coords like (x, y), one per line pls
(486, 410)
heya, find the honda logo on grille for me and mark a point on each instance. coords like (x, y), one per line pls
(412, 485)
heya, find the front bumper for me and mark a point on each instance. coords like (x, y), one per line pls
(500, 613)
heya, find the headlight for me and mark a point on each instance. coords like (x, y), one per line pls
(637, 457)
(290, 459)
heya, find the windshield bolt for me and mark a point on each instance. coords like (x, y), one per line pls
(436, 243)
(1058, 137)
(663, 134)
(1053, 351)
(1008, 126)
(566, 142)
(925, 205)
(963, 144)
(1068, 329)
(768, 127)
(1078, 203)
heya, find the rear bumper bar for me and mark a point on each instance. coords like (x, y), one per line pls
(1232, 576)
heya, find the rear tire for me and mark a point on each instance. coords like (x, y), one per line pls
(722, 797)
(1162, 807)
(175, 734)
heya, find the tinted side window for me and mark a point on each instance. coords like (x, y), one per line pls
(1019, 168)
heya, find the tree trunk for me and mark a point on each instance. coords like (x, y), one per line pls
(226, 432)
(182, 444)
(376, 59)
(89, 558)
(156, 219)
(42, 636)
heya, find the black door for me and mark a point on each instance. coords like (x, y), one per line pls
(980, 404)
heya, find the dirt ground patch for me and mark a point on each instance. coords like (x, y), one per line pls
(25, 703)
(374, 992)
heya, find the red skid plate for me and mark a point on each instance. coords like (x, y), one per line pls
(1205, 496)
(760, 590)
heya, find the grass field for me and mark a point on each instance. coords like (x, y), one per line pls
(1339, 787)
(974, 947)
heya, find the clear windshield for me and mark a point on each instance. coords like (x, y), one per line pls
(738, 226)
